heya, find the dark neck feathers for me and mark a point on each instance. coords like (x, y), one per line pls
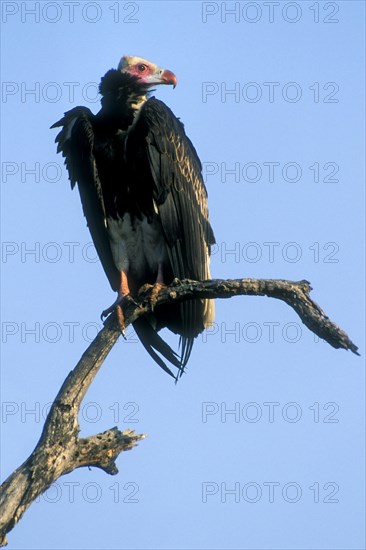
(122, 95)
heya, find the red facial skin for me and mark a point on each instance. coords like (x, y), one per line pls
(146, 72)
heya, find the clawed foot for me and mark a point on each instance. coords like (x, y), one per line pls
(111, 308)
(121, 320)
(144, 289)
(154, 292)
(117, 307)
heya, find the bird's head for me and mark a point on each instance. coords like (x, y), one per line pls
(147, 73)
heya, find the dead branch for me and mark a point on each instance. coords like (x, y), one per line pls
(60, 450)
(295, 294)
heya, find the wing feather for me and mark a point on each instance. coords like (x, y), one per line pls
(158, 140)
(76, 142)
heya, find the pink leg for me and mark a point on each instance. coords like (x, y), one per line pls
(123, 291)
(157, 286)
(123, 285)
(160, 276)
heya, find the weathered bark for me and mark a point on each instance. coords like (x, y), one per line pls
(60, 450)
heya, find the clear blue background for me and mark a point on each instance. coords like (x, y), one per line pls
(51, 291)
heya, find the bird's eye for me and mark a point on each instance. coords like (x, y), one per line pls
(141, 67)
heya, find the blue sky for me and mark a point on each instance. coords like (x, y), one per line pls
(272, 96)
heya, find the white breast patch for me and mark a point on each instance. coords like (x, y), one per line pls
(136, 247)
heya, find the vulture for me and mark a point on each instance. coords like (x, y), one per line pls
(144, 199)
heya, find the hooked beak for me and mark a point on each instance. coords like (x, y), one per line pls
(161, 76)
(168, 77)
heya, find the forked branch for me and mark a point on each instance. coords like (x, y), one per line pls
(60, 450)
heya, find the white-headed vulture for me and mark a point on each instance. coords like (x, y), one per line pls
(144, 199)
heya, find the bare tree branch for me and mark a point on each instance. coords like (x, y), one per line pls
(295, 294)
(60, 450)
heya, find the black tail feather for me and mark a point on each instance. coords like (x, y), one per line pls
(152, 341)
(186, 345)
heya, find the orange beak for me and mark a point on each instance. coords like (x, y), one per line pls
(169, 78)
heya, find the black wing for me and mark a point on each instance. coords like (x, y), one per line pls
(76, 142)
(157, 145)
